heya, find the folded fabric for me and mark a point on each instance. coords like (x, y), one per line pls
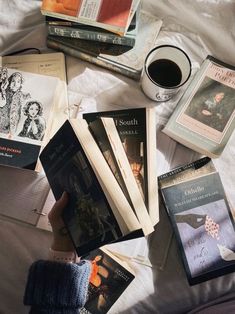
(55, 287)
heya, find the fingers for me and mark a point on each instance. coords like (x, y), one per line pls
(58, 207)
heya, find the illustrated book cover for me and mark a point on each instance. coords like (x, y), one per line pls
(25, 116)
(98, 211)
(63, 28)
(137, 131)
(204, 117)
(107, 137)
(202, 220)
(110, 277)
(128, 61)
(113, 15)
(25, 111)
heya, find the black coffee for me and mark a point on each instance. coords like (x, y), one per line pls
(165, 72)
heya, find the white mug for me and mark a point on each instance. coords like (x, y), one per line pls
(165, 70)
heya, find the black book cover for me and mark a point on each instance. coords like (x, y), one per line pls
(109, 279)
(201, 218)
(132, 129)
(88, 216)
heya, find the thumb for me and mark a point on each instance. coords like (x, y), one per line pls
(58, 207)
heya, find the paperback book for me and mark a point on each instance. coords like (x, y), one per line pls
(202, 220)
(126, 60)
(204, 117)
(110, 277)
(107, 137)
(112, 15)
(25, 116)
(98, 211)
(137, 131)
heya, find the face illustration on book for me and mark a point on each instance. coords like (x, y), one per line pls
(212, 105)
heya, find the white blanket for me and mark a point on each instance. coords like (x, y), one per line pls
(200, 27)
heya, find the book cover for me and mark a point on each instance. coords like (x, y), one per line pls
(204, 117)
(98, 212)
(128, 61)
(107, 137)
(201, 218)
(109, 279)
(25, 116)
(137, 131)
(57, 27)
(113, 15)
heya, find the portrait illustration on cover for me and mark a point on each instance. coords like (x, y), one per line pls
(213, 104)
(24, 109)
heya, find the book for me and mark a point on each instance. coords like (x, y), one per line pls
(201, 218)
(58, 27)
(25, 116)
(107, 137)
(204, 117)
(98, 211)
(110, 277)
(137, 131)
(125, 60)
(112, 15)
(24, 189)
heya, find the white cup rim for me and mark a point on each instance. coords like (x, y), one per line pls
(162, 86)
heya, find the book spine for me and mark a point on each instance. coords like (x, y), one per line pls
(64, 31)
(51, 43)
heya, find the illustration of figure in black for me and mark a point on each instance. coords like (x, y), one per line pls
(35, 125)
(3, 85)
(10, 111)
(212, 105)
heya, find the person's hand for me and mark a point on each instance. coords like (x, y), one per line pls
(61, 239)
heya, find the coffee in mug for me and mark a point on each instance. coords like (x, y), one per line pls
(166, 69)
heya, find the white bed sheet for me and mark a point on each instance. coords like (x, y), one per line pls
(199, 27)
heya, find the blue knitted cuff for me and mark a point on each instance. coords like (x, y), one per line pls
(57, 285)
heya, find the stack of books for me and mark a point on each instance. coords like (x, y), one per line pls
(115, 34)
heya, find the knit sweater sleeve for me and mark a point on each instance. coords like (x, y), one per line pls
(54, 287)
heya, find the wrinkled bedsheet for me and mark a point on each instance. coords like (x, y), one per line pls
(200, 27)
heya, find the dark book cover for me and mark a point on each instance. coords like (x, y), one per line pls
(201, 218)
(132, 129)
(109, 279)
(88, 216)
(101, 137)
(19, 154)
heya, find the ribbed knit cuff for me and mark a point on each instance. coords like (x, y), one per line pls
(58, 285)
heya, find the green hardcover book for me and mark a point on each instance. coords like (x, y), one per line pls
(123, 59)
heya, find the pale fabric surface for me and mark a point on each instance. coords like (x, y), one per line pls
(199, 27)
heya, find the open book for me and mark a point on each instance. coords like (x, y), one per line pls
(23, 192)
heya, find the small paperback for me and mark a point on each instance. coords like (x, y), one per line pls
(110, 277)
(204, 117)
(98, 211)
(137, 131)
(201, 218)
(112, 15)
